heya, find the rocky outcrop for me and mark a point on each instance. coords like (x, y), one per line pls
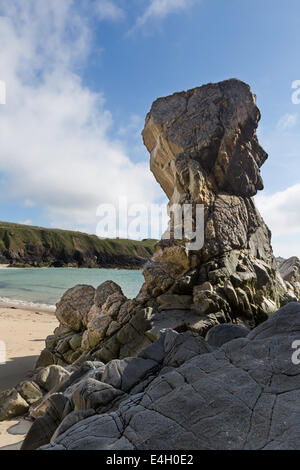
(204, 150)
(290, 272)
(183, 393)
(95, 324)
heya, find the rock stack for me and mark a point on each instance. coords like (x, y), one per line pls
(204, 150)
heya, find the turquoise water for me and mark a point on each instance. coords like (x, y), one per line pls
(47, 285)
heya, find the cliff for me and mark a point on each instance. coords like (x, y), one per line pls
(22, 245)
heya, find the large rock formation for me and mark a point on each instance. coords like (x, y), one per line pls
(143, 376)
(95, 324)
(204, 150)
(183, 392)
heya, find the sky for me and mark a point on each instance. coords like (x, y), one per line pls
(81, 76)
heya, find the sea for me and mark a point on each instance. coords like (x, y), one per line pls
(43, 287)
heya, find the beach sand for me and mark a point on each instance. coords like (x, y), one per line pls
(23, 332)
(12, 433)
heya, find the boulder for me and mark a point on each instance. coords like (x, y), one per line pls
(105, 290)
(73, 308)
(12, 404)
(75, 341)
(51, 377)
(221, 334)
(30, 391)
(45, 359)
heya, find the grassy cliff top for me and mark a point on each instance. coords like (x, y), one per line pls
(15, 237)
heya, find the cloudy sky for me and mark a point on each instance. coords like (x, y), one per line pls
(81, 75)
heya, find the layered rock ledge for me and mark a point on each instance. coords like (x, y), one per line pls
(185, 392)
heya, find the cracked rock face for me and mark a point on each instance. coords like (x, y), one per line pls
(204, 150)
(212, 129)
(290, 272)
(183, 393)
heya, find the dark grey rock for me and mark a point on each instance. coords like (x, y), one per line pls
(243, 395)
(44, 427)
(221, 334)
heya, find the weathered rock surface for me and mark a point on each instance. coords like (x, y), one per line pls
(73, 308)
(221, 334)
(30, 391)
(19, 400)
(12, 404)
(290, 272)
(51, 377)
(204, 150)
(179, 393)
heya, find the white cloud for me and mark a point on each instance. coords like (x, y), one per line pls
(26, 222)
(55, 149)
(108, 10)
(281, 211)
(160, 9)
(287, 122)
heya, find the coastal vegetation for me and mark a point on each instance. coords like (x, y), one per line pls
(28, 246)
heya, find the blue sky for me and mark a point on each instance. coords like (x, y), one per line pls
(81, 76)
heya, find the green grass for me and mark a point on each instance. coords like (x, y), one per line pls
(17, 237)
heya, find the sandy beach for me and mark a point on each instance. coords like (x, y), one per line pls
(23, 332)
(12, 433)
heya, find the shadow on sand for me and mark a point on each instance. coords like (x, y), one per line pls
(19, 429)
(16, 370)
